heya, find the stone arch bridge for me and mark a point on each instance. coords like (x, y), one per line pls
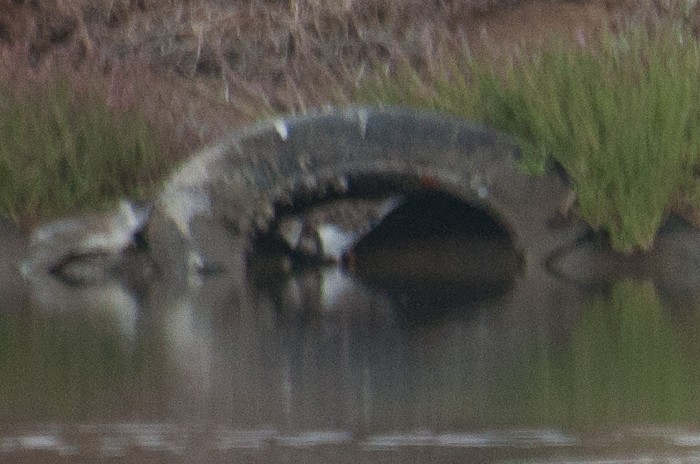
(222, 197)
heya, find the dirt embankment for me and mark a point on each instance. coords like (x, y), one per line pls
(198, 68)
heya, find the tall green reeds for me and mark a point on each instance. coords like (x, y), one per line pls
(61, 151)
(621, 116)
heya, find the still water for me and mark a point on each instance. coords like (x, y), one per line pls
(323, 365)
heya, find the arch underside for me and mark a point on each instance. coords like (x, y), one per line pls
(421, 208)
(365, 185)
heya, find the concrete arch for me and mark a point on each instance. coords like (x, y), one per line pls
(214, 203)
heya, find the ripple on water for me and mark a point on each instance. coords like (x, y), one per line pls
(125, 440)
(489, 439)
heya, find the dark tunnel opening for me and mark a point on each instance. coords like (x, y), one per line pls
(426, 214)
(435, 253)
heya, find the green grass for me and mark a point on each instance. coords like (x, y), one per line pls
(622, 117)
(64, 151)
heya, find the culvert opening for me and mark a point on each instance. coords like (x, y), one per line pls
(429, 250)
(434, 252)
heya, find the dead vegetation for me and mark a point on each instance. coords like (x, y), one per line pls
(198, 68)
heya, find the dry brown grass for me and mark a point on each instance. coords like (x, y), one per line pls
(198, 68)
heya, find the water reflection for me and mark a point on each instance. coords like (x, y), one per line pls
(627, 361)
(322, 365)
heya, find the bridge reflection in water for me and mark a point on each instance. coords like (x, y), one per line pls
(398, 359)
